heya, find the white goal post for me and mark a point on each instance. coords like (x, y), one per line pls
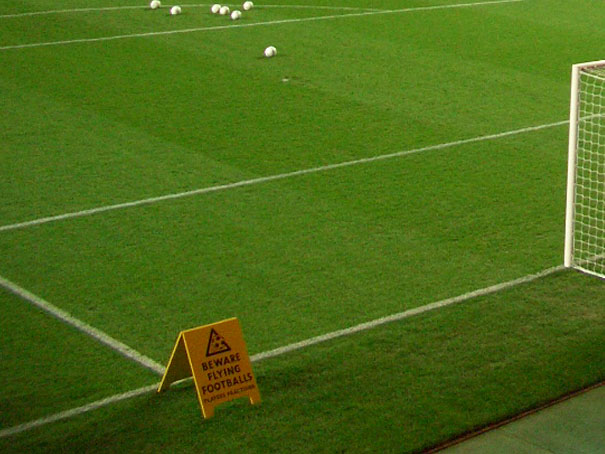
(585, 214)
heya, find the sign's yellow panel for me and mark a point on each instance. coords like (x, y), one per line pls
(217, 357)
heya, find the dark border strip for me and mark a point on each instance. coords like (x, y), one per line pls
(475, 433)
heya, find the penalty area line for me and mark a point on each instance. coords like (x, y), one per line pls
(257, 24)
(195, 5)
(85, 328)
(291, 347)
(269, 178)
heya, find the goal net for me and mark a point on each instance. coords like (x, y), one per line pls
(585, 217)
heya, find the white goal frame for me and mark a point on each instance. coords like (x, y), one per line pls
(586, 263)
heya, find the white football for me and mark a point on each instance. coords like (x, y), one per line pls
(175, 10)
(235, 15)
(224, 10)
(247, 6)
(215, 8)
(270, 52)
(155, 4)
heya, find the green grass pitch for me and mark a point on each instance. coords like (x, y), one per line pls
(103, 104)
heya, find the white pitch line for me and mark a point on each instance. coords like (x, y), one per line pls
(255, 24)
(76, 411)
(91, 331)
(281, 176)
(197, 5)
(333, 8)
(73, 10)
(290, 348)
(403, 315)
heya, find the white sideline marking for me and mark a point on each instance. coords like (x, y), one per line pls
(290, 348)
(197, 5)
(281, 176)
(99, 335)
(256, 24)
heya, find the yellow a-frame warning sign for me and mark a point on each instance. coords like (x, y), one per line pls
(217, 357)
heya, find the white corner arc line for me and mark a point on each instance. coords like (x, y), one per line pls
(85, 328)
(266, 179)
(291, 347)
(256, 24)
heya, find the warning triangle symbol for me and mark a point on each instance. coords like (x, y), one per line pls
(216, 344)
